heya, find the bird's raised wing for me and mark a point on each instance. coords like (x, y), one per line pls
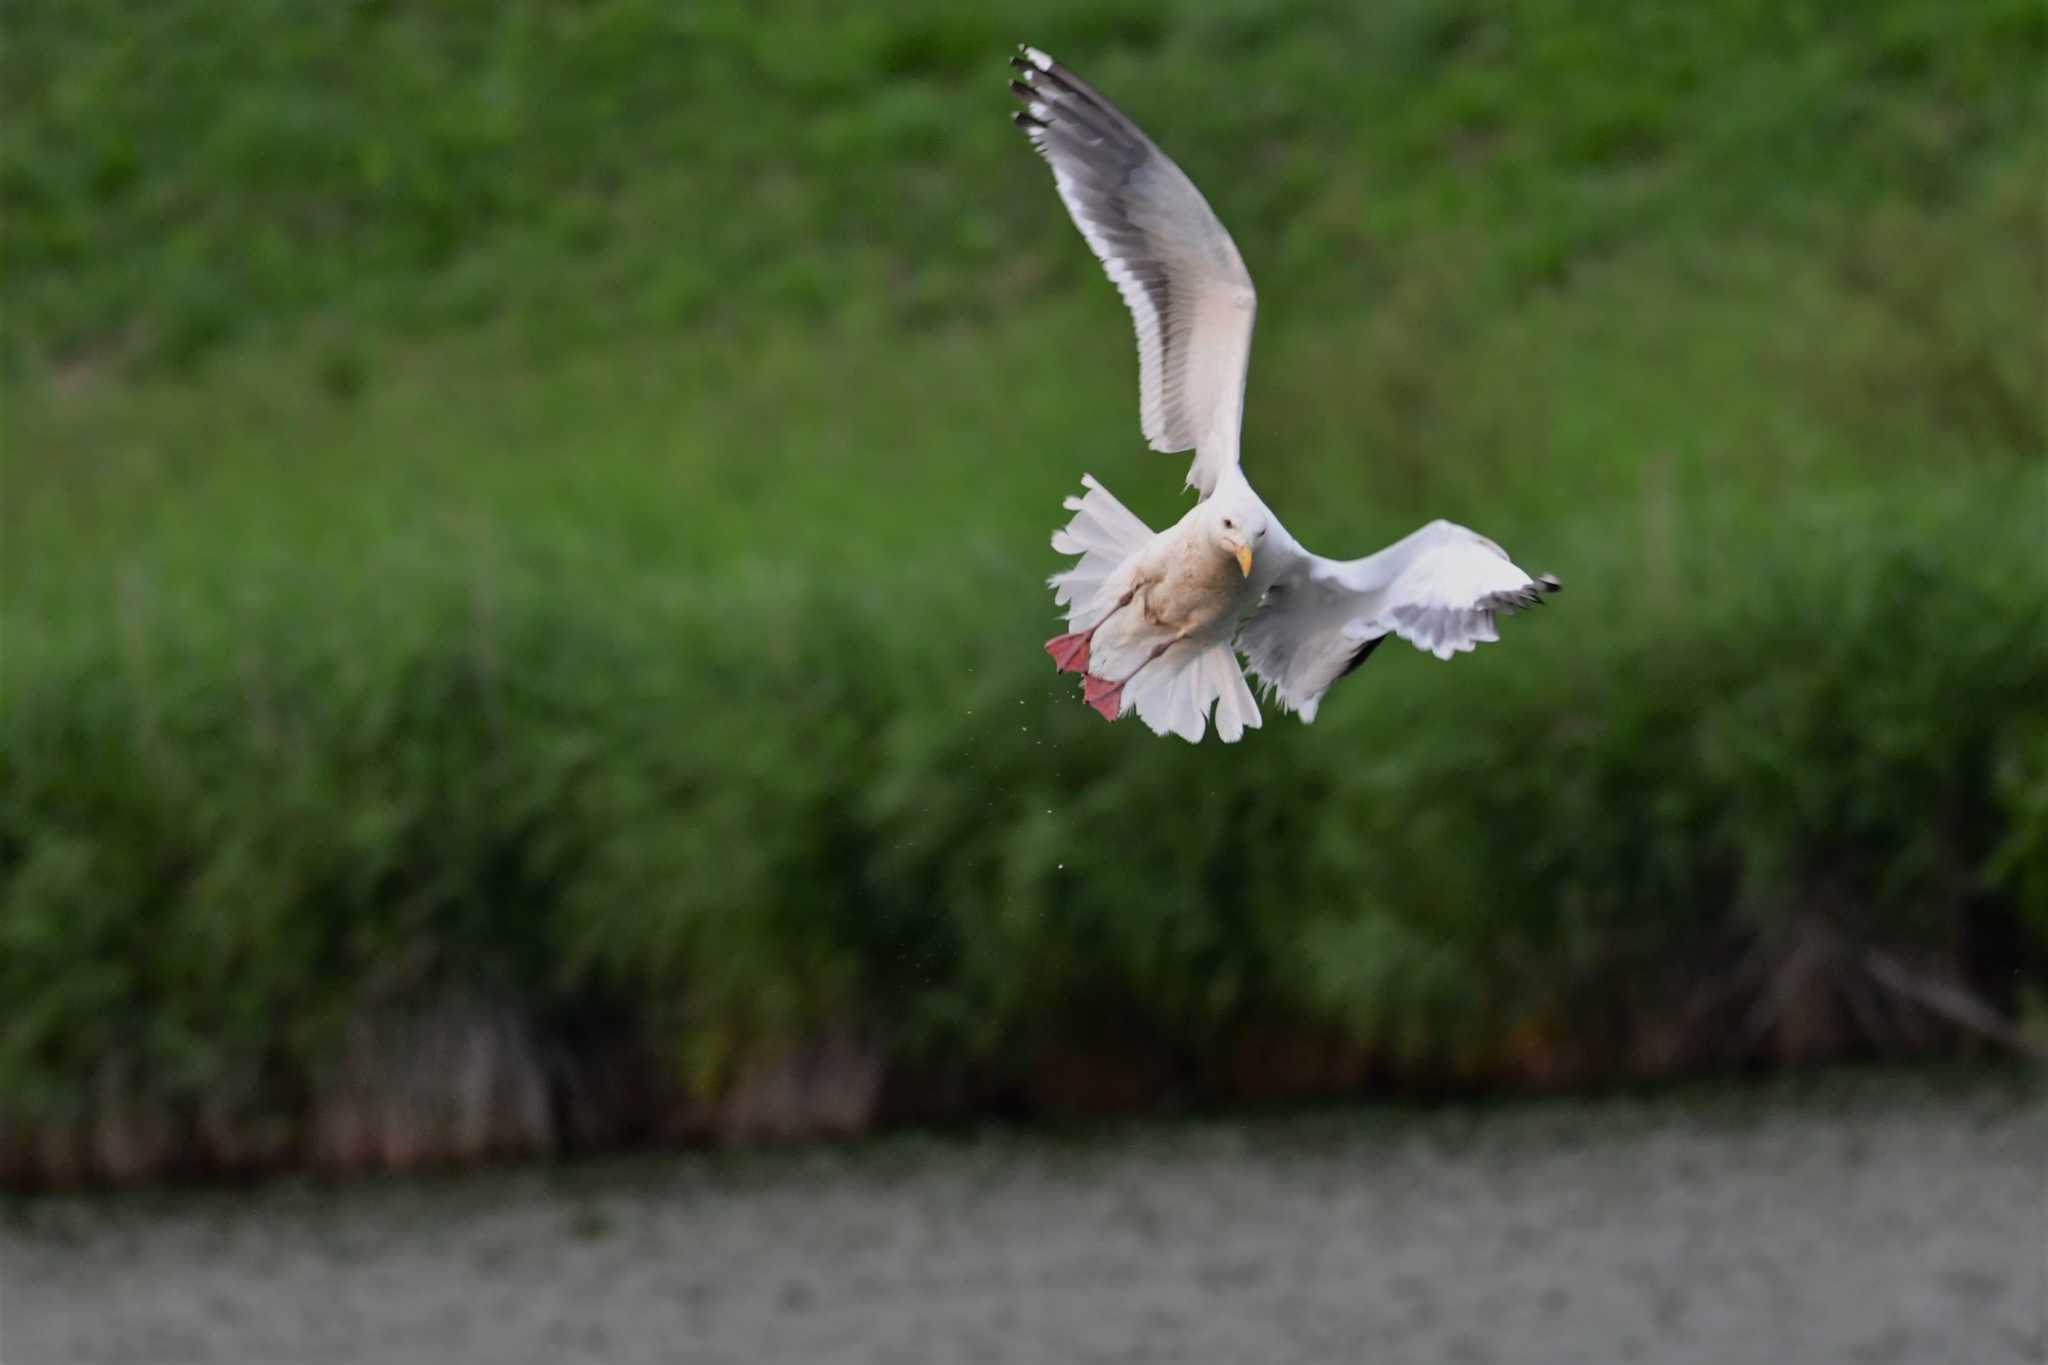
(1441, 589)
(1177, 269)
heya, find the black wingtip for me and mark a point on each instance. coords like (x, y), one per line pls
(1515, 600)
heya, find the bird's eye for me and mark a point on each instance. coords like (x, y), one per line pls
(1229, 525)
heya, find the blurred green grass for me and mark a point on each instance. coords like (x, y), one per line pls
(551, 499)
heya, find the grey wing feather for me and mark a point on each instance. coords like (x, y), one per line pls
(1190, 297)
(1442, 589)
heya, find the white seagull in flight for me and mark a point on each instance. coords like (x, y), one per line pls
(1156, 620)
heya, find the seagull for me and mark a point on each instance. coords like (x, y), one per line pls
(1156, 619)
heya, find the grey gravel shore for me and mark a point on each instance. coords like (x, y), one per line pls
(1853, 1218)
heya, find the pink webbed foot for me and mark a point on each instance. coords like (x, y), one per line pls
(1069, 652)
(1106, 697)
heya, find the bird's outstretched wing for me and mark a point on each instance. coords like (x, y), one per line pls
(1441, 589)
(1177, 269)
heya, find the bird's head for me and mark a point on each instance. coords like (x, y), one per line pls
(1237, 532)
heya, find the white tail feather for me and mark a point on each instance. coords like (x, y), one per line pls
(1156, 695)
(1236, 712)
(1174, 694)
(1105, 534)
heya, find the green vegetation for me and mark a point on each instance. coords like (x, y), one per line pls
(546, 504)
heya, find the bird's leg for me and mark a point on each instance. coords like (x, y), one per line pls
(1107, 697)
(1070, 652)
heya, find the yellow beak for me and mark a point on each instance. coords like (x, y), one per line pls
(1244, 559)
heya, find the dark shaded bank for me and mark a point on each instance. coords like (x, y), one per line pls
(1850, 1217)
(464, 1084)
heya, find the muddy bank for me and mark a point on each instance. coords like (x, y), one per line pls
(1860, 1217)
